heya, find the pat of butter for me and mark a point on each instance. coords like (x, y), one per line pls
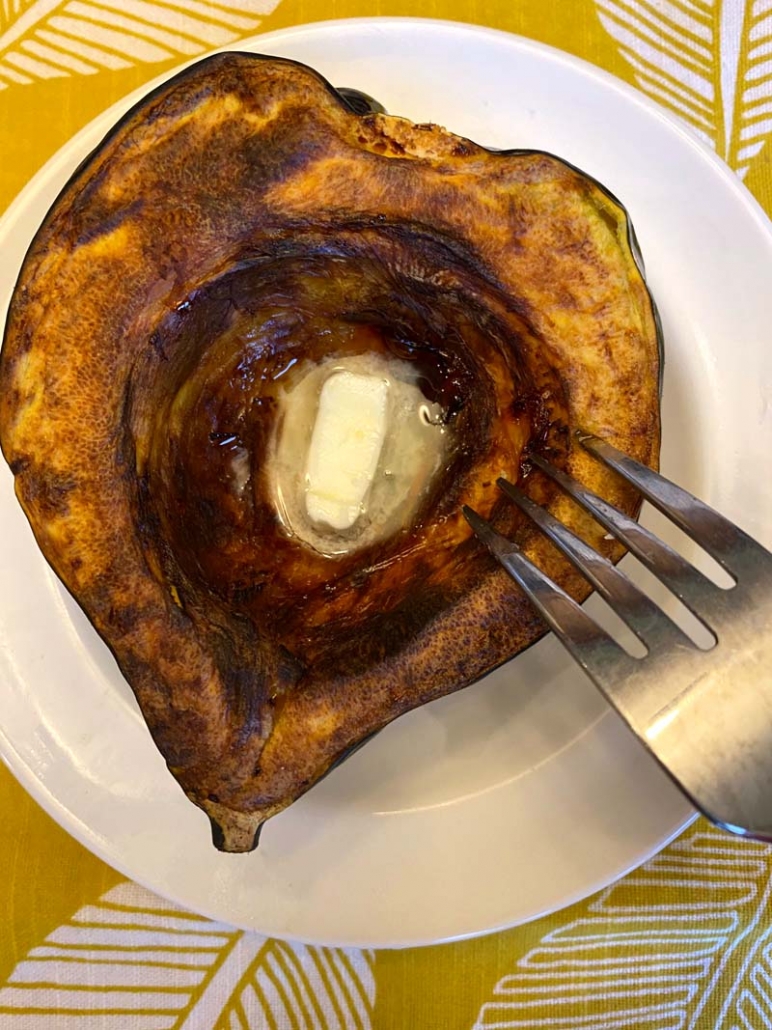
(346, 445)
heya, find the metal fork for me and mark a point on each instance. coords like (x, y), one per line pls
(705, 715)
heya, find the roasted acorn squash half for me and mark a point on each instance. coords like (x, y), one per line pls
(241, 234)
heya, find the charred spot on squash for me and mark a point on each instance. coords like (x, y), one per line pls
(48, 493)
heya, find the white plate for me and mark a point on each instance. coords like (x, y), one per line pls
(523, 793)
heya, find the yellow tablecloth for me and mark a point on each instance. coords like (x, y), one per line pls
(682, 942)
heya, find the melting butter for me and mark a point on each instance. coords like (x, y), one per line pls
(346, 444)
(355, 451)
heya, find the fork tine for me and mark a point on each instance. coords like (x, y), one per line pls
(649, 623)
(686, 582)
(598, 654)
(728, 544)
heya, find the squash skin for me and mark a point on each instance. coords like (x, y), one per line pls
(241, 159)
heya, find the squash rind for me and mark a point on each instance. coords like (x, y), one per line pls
(248, 721)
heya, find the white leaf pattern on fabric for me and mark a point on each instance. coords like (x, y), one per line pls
(135, 962)
(654, 950)
(48, 39)
(709, 61)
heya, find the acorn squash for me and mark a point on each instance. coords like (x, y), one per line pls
(239, 230)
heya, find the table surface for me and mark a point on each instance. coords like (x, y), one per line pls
(682, 942)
